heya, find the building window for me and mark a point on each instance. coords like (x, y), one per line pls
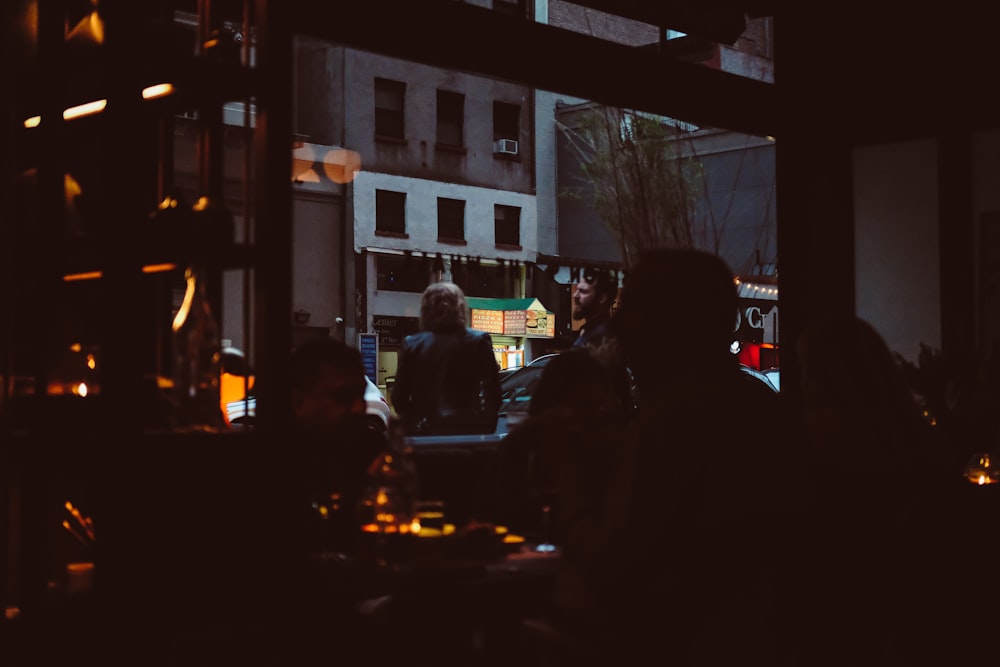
(483, 280)
(450, 118)
(390, 212)
(451, 219)
(511, 7)
(403, 273)
(389, 98)
(507, 225)
(506, 128)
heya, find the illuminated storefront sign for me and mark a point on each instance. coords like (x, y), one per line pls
(512, 317)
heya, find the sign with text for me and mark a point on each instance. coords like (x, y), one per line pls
(368, 344)
(514, 322)
(490, 321)
(392, 329)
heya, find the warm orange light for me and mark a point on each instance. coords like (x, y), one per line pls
(159, 90)
(34, 121)
(233, 388)
(87, 109)
(86, 275)
(159, 268)
(185, 308)
(90, 30)
(341, 165)
(303, 158)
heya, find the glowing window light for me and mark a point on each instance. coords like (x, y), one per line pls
(87, 109)
(34, 121)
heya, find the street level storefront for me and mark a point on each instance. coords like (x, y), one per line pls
(756, 331)
(391, 330)
(513, 324)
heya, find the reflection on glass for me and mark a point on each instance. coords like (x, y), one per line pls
(982, 470)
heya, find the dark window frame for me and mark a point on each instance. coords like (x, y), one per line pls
(450, 119)
(390, 213)
(451, 220)
(390, 109)
(507, 226)
(506, 120)
(517, 8)
(403, 273)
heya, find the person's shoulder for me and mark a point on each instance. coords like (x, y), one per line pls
(477, 335)
(416, 339)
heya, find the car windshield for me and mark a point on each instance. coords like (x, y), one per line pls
(516, 389)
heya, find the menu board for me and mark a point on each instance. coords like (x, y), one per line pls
(533, 323)
(490, 321)
(514, 322)
(368, 344)
(539, 324)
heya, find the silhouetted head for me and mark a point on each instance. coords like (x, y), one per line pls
(443, 307)
(328, 385)
(852, 380)
(574, 381)
(677, 310)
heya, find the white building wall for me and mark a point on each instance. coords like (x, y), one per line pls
(897, 264)
(986, 212)
(421, 217)
(421, 228)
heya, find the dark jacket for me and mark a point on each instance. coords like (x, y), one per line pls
(447, 383)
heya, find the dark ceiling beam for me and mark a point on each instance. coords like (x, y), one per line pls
(462, 37)
(721, 21)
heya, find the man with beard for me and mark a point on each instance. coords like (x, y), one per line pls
(596, 291)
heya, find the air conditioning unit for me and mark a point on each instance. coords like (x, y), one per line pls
(505, 146)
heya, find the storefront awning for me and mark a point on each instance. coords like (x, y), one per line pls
(512, 317)
(757, 318)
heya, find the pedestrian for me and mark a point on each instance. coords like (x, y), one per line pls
(681, 558)
(595, 294)
(593, 300)
(447, 380)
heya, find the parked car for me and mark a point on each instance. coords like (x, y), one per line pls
(516, 389)
(377, 411)
(758, 375)
(774, 375)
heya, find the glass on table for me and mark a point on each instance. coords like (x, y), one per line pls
(982, 469)
(430, 515)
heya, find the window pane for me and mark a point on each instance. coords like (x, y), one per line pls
(508, 225)
(450, 117)
(451, 219)
(506, 121)
(483, 280)
(510, 7)
(403, 273)
(389, 100)
(390, 211)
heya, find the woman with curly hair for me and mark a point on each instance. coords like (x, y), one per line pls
(447, 379)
